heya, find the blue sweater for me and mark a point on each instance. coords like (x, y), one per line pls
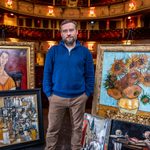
(68, 74)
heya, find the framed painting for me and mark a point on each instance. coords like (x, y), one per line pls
(128, 136)
(122, 85)
(21, 123)
(16, 65)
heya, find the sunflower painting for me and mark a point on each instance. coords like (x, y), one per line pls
(123, 76)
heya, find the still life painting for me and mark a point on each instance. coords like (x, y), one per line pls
(123, 76)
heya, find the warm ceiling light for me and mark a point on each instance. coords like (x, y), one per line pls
(50, 10)
(11, 14)
(129, 17)
(127, 42)
(9, 3)
(92, 12)
(92, 22)
(13, 39)
(132, 5)
(90, 46)
(51, 43)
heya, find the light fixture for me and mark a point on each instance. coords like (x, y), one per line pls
(51, 43)
(50, 10)
(90, 46)
(92, 12)
(127, 42)
(13, 39)
(11, 14)
(129, 17)
(9, 3)
(132, 5)
(92, 22)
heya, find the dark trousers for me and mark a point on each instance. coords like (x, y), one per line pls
(57, 108)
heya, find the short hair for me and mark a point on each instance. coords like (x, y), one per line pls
(68, 21)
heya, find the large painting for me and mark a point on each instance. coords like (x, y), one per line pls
(16, 65)
(122, 88)
(21, 123)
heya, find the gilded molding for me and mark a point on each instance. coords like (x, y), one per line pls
(76, 13)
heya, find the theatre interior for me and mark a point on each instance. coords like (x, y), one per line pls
(36, 23)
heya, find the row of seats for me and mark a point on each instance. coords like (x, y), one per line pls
(95, 35)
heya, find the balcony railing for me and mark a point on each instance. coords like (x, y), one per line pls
(84, 35)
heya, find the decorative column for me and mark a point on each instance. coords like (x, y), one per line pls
(123, 26)
(18, 26)
(139, 21)
(107, 25)
(89, 3)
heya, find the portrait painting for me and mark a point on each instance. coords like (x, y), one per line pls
(16, 65)
(128, 136)
(122, 88)
(21, 123)
(95, 132)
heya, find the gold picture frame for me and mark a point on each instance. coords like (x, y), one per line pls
(122, 82)
(20, 63)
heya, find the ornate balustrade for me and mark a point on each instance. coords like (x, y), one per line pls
(84, 35)
(114, 10)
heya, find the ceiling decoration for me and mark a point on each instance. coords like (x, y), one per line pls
(72, 3)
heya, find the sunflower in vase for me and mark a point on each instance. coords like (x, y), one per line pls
(125, 80)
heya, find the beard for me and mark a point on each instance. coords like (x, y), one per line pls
(69, 41)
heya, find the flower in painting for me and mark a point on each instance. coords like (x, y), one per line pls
(145, 99)
(145, 79)
(132, 91)
(131, 63)
(142, 61)
(126, 78)
(122, 83)
(118, 67)
(134, 77)
(115, 93)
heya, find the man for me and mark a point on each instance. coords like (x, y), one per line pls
(68, 82)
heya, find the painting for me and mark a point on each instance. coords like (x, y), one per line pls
(128, 136)
(122, 85)
(95, 132)
(16, 65)
(21, 123)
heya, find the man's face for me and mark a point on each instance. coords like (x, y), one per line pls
(69, 34)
